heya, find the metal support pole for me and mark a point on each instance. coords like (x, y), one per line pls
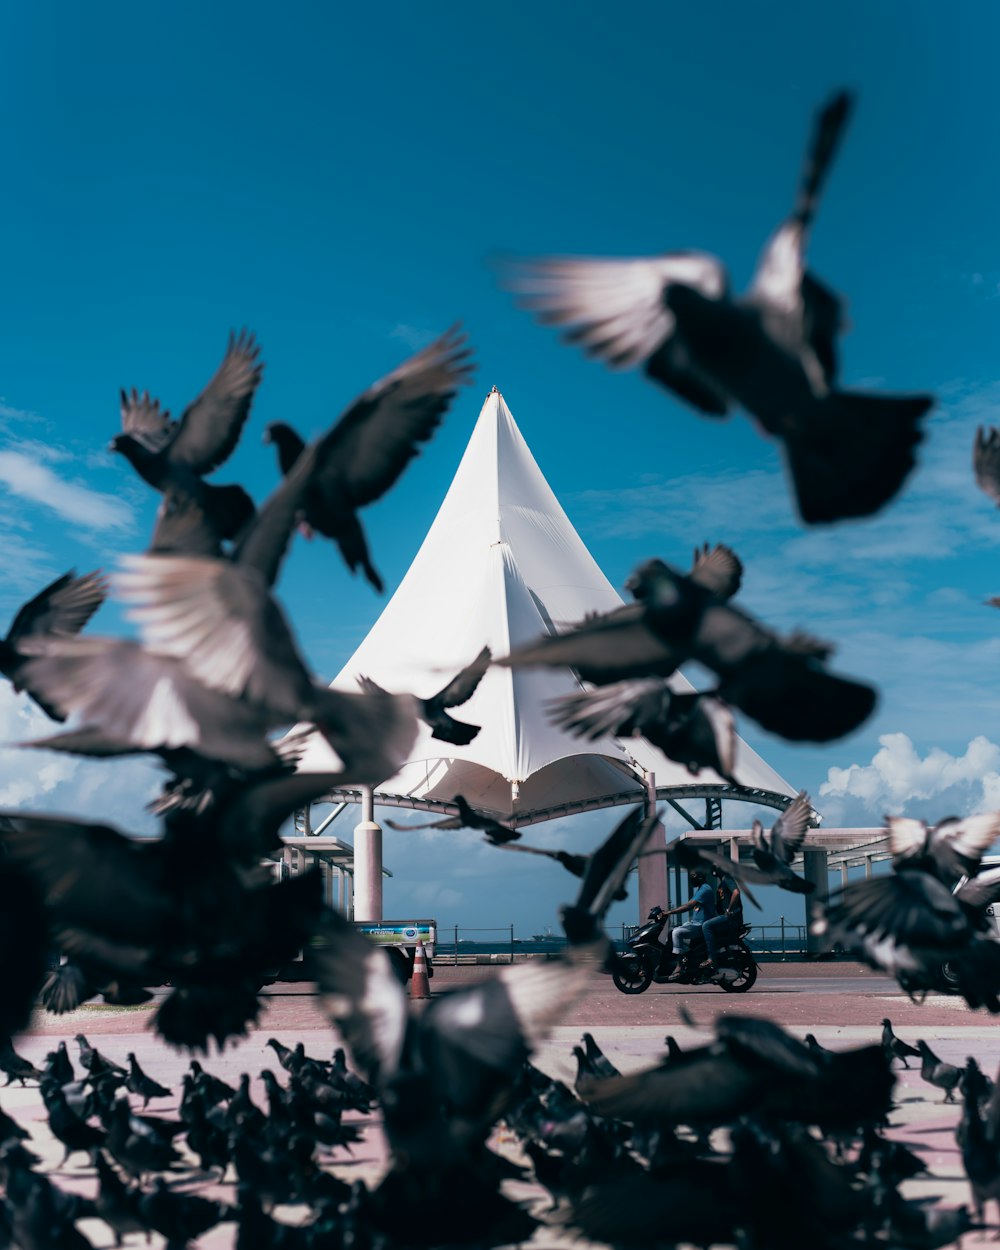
(815, 868)
(653, 888)
(367, 861)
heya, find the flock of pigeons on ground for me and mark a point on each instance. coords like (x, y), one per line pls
(754, 1139)
(216, 672)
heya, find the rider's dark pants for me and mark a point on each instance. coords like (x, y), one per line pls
(718, 932)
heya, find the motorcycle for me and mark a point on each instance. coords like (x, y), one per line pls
(647, 960)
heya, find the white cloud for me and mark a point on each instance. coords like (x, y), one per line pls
(27, 776)
(898, 780)
(9, 413)
(81, 505)
(48, 453)
(415, 337)
(115, 791)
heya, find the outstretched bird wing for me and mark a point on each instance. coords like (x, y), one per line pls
(957, 845)
(614, 309)
(130, 699)
(221, 620)
(981, 891)
(90, 875)
(145, 421)
(61, 609)
(604, 648)
(718, 569)
(463, 685)
(621, 708)
(789, 831)
(912, 909)
(361, 994)
(210, 427)
(377, 437)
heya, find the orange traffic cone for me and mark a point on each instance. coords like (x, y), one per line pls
(420, 986)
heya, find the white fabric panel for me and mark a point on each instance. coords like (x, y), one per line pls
(500, 565)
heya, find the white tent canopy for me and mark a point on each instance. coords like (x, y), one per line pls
(500, 565)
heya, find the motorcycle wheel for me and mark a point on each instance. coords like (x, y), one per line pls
(630, 975)
(746, 967)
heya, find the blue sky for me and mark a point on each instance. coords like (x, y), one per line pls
(338, 179)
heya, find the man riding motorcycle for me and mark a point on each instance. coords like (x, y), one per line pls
(702, 907)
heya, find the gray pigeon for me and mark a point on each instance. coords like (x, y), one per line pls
(364, 454)
(175, 456)
(772, 351)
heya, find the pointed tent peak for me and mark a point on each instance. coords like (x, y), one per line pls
(500, 563)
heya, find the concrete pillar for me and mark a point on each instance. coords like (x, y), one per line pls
(815, 868)
(843, 876)
(653, 889)
(868, 868)
(367, 861)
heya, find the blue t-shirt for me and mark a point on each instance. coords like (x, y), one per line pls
(704, 896)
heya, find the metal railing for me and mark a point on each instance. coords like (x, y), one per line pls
(462, 944)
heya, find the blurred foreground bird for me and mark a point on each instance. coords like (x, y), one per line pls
(928, 911)
(772, 351)
(754, 1067)
(221, 665)
(445, 1075)
(132, 909)
(364, 454)
(782, 683)
(773, 854)
(693, 729)
(220, 619)
(59, 611)
(497, 833)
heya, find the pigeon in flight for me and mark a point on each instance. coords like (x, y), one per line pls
(772, 351)
(176, 455)
(364, 454)
(219, 618)
(467, 818)
(951, 849)
(59, 611)
(459, 690)
(718, 569)
(772, 854)
(130, 909)
(916, 918)
(693, 729)
(782, 683)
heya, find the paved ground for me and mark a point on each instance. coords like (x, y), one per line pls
(843, 1004)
